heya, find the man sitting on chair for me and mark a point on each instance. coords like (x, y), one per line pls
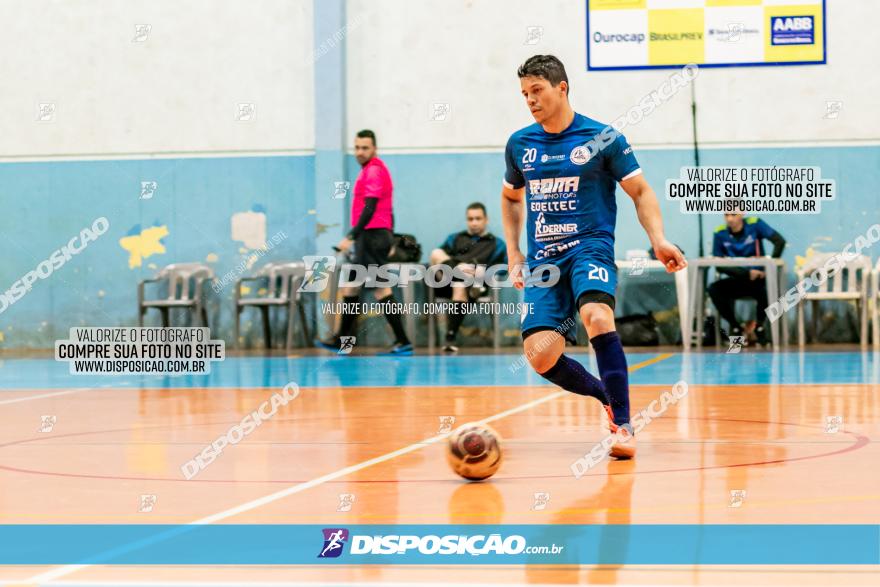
(466, 250)
(741, 237)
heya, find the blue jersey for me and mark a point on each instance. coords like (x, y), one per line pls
(746, 243)
(570, 186)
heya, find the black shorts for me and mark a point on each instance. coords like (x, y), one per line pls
(372, 247)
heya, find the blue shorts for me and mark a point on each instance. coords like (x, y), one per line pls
(555, 307)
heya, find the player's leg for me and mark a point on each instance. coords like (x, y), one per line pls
(461, 300)
(544, 331)
(385, 297)
(724, 294)
(351, 296)
(438, 257)
(759, 292)
(347, 322)
(545, 351)
(593, 282)
(596, 310)
(378, 245)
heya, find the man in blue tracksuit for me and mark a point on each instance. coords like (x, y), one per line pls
(743, 237)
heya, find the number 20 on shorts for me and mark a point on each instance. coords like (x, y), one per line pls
(597, 272)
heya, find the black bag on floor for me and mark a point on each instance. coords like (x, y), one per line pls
(638, 330)
(406, 249)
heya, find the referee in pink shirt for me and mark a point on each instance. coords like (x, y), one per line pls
(372, 222)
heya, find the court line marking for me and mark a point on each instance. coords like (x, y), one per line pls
(52, 394)
(300, 487)
(711, 385)
(44, 395)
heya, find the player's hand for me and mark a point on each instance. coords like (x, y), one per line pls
(756, 274)
(344, 245)
(670, 255)
(515, 262)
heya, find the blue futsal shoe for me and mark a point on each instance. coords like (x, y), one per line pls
(398, 350)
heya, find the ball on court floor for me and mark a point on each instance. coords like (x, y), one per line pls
(474, 451)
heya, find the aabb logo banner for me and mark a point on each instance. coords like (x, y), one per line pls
(792, 30)
(639, 34)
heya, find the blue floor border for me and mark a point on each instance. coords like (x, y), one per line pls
(788, 368)
(296, 544)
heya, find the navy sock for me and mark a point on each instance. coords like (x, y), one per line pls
(571, 376)
(614, 374)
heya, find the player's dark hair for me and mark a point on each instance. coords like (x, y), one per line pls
(478, 206)
(367, 134)
(548, 67)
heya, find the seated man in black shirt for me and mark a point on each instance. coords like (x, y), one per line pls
(466, 250)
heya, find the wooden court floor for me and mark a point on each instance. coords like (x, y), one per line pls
(759, 439)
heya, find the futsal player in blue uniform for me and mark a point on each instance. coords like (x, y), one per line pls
(562, 174)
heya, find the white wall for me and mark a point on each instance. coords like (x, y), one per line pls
(409, 54)
(175, 93)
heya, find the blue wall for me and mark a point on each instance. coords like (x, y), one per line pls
(47, 203)
(432, 190)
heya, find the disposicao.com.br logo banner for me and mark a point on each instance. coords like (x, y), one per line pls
(440, 544)
(431, 543)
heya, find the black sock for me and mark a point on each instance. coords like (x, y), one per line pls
(349, 319)
(394, 320)
(454, 320)
(571, 376)
(614, 373)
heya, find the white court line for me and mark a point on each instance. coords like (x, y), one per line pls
(56, 393)
(300, 487)
(42, 395)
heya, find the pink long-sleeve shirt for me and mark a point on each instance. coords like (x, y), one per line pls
(374, 181)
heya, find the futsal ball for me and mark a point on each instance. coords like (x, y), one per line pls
(474, 451)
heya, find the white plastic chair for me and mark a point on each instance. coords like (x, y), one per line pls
(182, 293)
(852, 283)
(282, 282)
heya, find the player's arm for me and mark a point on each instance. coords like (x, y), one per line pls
(765, 231)
(512, 211)
(648, 210)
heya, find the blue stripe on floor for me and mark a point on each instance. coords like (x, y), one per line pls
(501, 370)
